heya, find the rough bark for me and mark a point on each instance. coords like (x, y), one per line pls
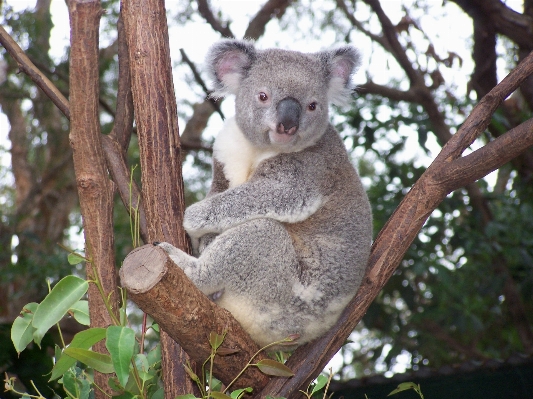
(95, 190)
(162, 290)
(157, 127)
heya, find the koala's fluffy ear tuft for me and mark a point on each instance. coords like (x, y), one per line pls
(227, 62)
(341, 62)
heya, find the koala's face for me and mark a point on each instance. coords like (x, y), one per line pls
(282, 101)
(282, 97)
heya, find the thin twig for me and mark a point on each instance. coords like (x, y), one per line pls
(34, 73)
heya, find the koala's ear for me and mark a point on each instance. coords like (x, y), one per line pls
(227, 62)
(341, 65)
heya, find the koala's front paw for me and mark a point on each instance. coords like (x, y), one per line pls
(196, 220)
(169, 248)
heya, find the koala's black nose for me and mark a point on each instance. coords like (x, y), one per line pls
(288, 111)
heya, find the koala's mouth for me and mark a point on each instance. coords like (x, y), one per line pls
(282, 138)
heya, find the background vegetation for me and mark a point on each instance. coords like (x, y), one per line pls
(464, 289)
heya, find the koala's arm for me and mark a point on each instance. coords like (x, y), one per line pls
(219, 182)
(284, 197)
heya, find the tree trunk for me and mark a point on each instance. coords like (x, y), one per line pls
(95, 190)
(157, 128)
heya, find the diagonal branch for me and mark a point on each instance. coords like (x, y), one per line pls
(207, 14)
(34, 73)
(272, 8)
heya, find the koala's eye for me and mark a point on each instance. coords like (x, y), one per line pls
(263, 97)
(312, 106)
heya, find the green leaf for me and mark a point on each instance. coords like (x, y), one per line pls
(82, 340)
(120, 342)
(22, 329)
(404, 386)
(160, 394)
(98, 361)
(186, 396)
(70, 385)
(74, 259)
(215, 340)
(219, 395)
(154, 356)
(271, 367)
(63, 296)
(143, 368)
(192, 375)
(80, 312)
(321, 382)
(238, 393)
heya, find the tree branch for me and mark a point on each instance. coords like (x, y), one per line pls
(517, 27)
(35, 74)
(162, 290)
(207, 14)
(95, 190)
(272, 8)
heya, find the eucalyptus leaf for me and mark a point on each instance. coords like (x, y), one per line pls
(80, 312)
(321, 382)
(98, 361)
(74, 259)
(22, 329)
(56, 304)
(120, 342)
(238, 393)
(272, 367)
(219, 395)
(83, 340)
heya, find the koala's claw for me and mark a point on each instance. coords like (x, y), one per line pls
(156, 243)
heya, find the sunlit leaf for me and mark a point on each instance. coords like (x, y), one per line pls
(63, 296)
(80, 312)
(321, 382)
(404, 386)
(74, 259)
(22, 329)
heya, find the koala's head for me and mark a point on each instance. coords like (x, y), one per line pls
(281, 97)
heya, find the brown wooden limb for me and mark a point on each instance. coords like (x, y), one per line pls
(95, 190)
(400, 230)
(271, 8)
(123, 126)
(33, 72)
(114, 154)
(201, 82)
(349, 14)
(389, 92)
(160, 153)
(205, 11)
(161, 289)
(128, 190)
(517, 27)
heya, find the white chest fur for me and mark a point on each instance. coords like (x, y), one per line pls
(237, 154)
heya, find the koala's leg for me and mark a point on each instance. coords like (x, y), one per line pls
(252, 271)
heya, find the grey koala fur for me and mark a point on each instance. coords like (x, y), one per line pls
(283, 236)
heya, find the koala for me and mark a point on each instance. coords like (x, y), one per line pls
(283, 237)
